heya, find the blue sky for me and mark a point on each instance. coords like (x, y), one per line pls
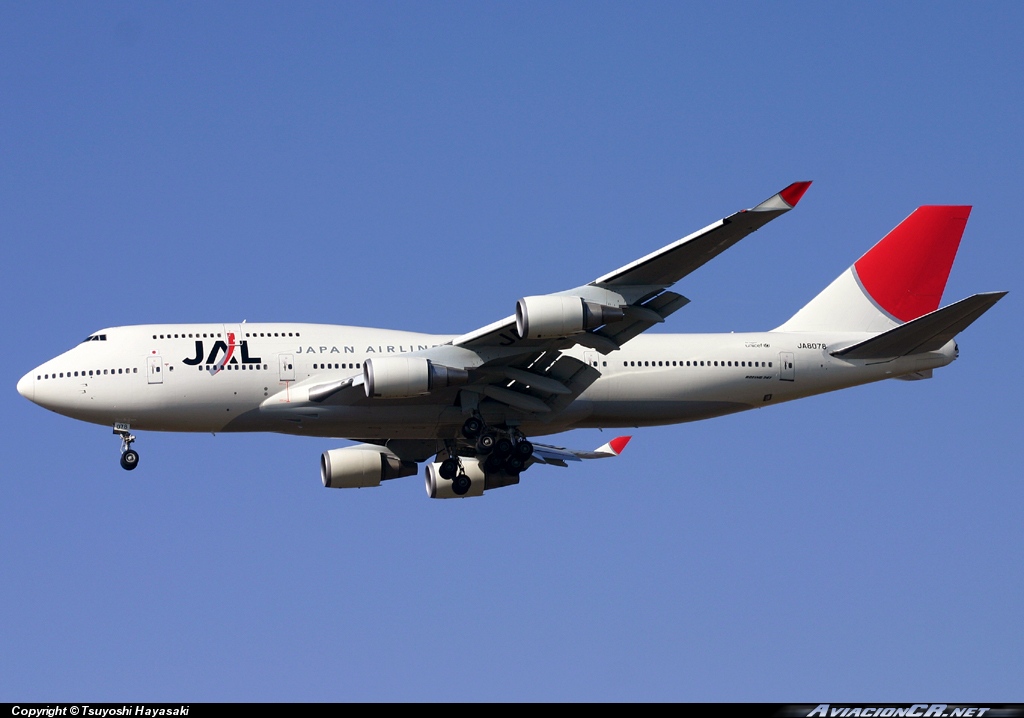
(422, 166)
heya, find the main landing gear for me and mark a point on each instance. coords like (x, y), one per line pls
(129, 457)
(498, 450)
(452, 470)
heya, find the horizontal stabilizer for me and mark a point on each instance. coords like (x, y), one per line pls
(924, 334)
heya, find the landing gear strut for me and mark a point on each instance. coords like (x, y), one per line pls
(129, 457)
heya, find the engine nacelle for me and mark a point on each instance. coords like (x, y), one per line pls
(550, 316)
(360, 466)
(440, 488)
(406, 377)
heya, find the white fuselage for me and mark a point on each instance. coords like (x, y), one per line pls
(178, 378)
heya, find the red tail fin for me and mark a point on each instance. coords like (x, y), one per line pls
(906, 272)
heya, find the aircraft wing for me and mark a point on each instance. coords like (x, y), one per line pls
(629, 300)
(520, 361)
(558, 456)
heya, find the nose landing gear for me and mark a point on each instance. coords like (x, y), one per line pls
(129, 457)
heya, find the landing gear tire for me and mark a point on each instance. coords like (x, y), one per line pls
(472, 428)
(449, 469)
(461, 484)
(503, 447)
(524, 449)
(485, 444)
(129, 460)
(129, 457)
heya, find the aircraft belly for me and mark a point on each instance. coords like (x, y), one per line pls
(357, 422)
(657, 412)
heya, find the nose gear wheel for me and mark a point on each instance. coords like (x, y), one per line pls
(129, 457)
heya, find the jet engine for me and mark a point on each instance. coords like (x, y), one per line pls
(480, 481)
(549, 316)
(406, 377)
(360, 466)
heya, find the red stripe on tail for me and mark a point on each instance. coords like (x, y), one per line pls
(906, 272)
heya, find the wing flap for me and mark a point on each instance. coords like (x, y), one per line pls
(660, 306)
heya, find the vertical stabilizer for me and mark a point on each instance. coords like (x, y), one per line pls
(899, 279)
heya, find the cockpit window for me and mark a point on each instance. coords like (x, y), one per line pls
(95, 338)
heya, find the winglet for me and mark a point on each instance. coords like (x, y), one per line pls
(792, 194)
(615, 446)
(785, 200)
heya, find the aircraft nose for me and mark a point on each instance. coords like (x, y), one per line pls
(27, 386)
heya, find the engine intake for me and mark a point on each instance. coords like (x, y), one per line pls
(406, 377)
(550, 316)
(361, 466)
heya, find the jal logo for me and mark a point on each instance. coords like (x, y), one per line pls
(215, 361)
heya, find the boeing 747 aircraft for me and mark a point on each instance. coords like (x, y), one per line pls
(466, 404)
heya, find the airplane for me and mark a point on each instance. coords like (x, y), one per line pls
(467, 404)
